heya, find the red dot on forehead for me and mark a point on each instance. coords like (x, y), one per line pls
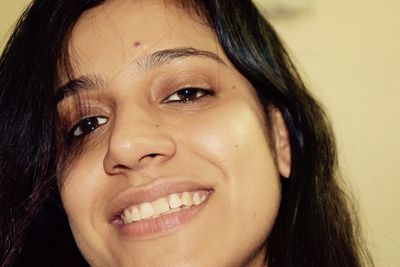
(137, 44)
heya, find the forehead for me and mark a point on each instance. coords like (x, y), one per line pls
(108, 38)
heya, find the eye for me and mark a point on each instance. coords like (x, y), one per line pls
(188, 95)
(86, 126)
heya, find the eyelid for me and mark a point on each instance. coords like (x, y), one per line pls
(180, 76)
(72, 111)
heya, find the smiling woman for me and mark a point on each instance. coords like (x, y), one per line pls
(159, 133)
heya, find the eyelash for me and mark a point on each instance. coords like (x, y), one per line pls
(89, 124)
(200, 93)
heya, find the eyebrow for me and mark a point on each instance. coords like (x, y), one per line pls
(143, 63)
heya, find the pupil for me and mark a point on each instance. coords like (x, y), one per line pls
(187, 94)
(89, 124)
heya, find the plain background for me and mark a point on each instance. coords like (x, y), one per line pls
(348, 53)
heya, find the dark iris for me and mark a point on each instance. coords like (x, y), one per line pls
(84, 127)
(188, 94)
(88, 125)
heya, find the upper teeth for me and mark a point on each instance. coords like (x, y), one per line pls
(171, 203)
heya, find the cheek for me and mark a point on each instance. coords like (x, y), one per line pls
(232, 136)
(81, 183)
(233, 139)
(83, 197)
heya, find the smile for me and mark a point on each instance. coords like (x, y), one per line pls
(172, 203)
(158, 209)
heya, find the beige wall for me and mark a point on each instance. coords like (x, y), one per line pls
(9, 12)
(348, 51)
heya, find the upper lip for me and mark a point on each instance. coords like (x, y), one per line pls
(134, 195)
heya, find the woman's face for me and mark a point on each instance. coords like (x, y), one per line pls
(176, 168)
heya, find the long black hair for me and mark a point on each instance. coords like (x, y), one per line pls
(316, 224)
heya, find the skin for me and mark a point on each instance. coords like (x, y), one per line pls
(219, 141)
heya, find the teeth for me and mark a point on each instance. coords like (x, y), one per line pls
(162, 206)
(187, 199)
(127, 216)
(146, 210)
(135, 214)
(174, 201)
(131, 215)
(196, 199)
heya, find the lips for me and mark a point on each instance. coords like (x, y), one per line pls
(158, 207)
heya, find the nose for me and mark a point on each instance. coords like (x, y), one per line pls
(135, 144)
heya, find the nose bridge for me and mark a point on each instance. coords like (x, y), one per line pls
(136, 140)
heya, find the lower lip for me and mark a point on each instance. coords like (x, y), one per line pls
(164, 224)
